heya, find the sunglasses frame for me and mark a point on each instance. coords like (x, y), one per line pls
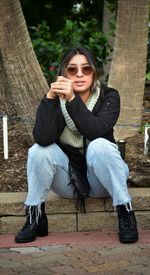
(76, 68)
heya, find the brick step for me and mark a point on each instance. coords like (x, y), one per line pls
(62, 215)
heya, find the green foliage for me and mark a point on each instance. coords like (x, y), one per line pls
(54, 12)
(142, 127)
(148, 76)
(49, 48)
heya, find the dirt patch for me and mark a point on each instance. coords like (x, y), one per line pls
(13, 170)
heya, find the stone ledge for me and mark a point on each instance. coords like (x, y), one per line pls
(98, 221)
(13, 203)
(56, 222)
(62, 215)
(140, 199)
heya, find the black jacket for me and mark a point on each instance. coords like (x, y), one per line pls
(50, 122)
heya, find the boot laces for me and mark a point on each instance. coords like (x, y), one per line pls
(28, 224)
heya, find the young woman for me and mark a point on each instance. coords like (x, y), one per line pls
(74, 123)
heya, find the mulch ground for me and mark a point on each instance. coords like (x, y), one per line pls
(13, 169)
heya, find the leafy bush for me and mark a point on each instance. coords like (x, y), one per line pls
(49, 49)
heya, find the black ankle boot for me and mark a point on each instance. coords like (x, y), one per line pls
(36, 225)
(127, 224)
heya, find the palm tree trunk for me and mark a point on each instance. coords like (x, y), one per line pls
(22, 83)
(128, 67)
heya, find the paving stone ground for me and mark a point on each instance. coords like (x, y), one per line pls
(76, 253)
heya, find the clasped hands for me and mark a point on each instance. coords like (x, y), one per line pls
(62, 87)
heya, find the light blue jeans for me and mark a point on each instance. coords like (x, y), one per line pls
(47, 169)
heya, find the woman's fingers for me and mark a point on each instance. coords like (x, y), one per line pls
(63, 87)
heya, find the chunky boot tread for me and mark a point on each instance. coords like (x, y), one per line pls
(128, 240)
(17, 240)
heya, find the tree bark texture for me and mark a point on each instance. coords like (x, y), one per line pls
(108, 16)
(22, 83)
(128, 67)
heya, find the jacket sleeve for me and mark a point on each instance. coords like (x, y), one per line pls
(95, 124)
(49, 122)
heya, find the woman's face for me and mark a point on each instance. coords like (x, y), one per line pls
(80, 71)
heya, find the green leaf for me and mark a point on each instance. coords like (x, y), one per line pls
(148, 76)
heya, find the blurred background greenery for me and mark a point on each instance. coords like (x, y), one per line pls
(56, 25)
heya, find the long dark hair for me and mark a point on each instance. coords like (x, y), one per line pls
(79, 50)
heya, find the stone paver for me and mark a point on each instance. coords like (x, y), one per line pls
(76, 253)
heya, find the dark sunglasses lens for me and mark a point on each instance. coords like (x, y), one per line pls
(72, 70)
(87, 70)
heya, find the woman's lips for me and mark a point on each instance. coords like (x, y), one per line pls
(79, 83)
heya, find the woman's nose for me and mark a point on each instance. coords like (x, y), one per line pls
(79, 72)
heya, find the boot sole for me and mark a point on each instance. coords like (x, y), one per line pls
(128, 240)
(42, 234)
(24, 241)
(30, 240)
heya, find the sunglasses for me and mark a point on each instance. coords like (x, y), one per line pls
(86, 69)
